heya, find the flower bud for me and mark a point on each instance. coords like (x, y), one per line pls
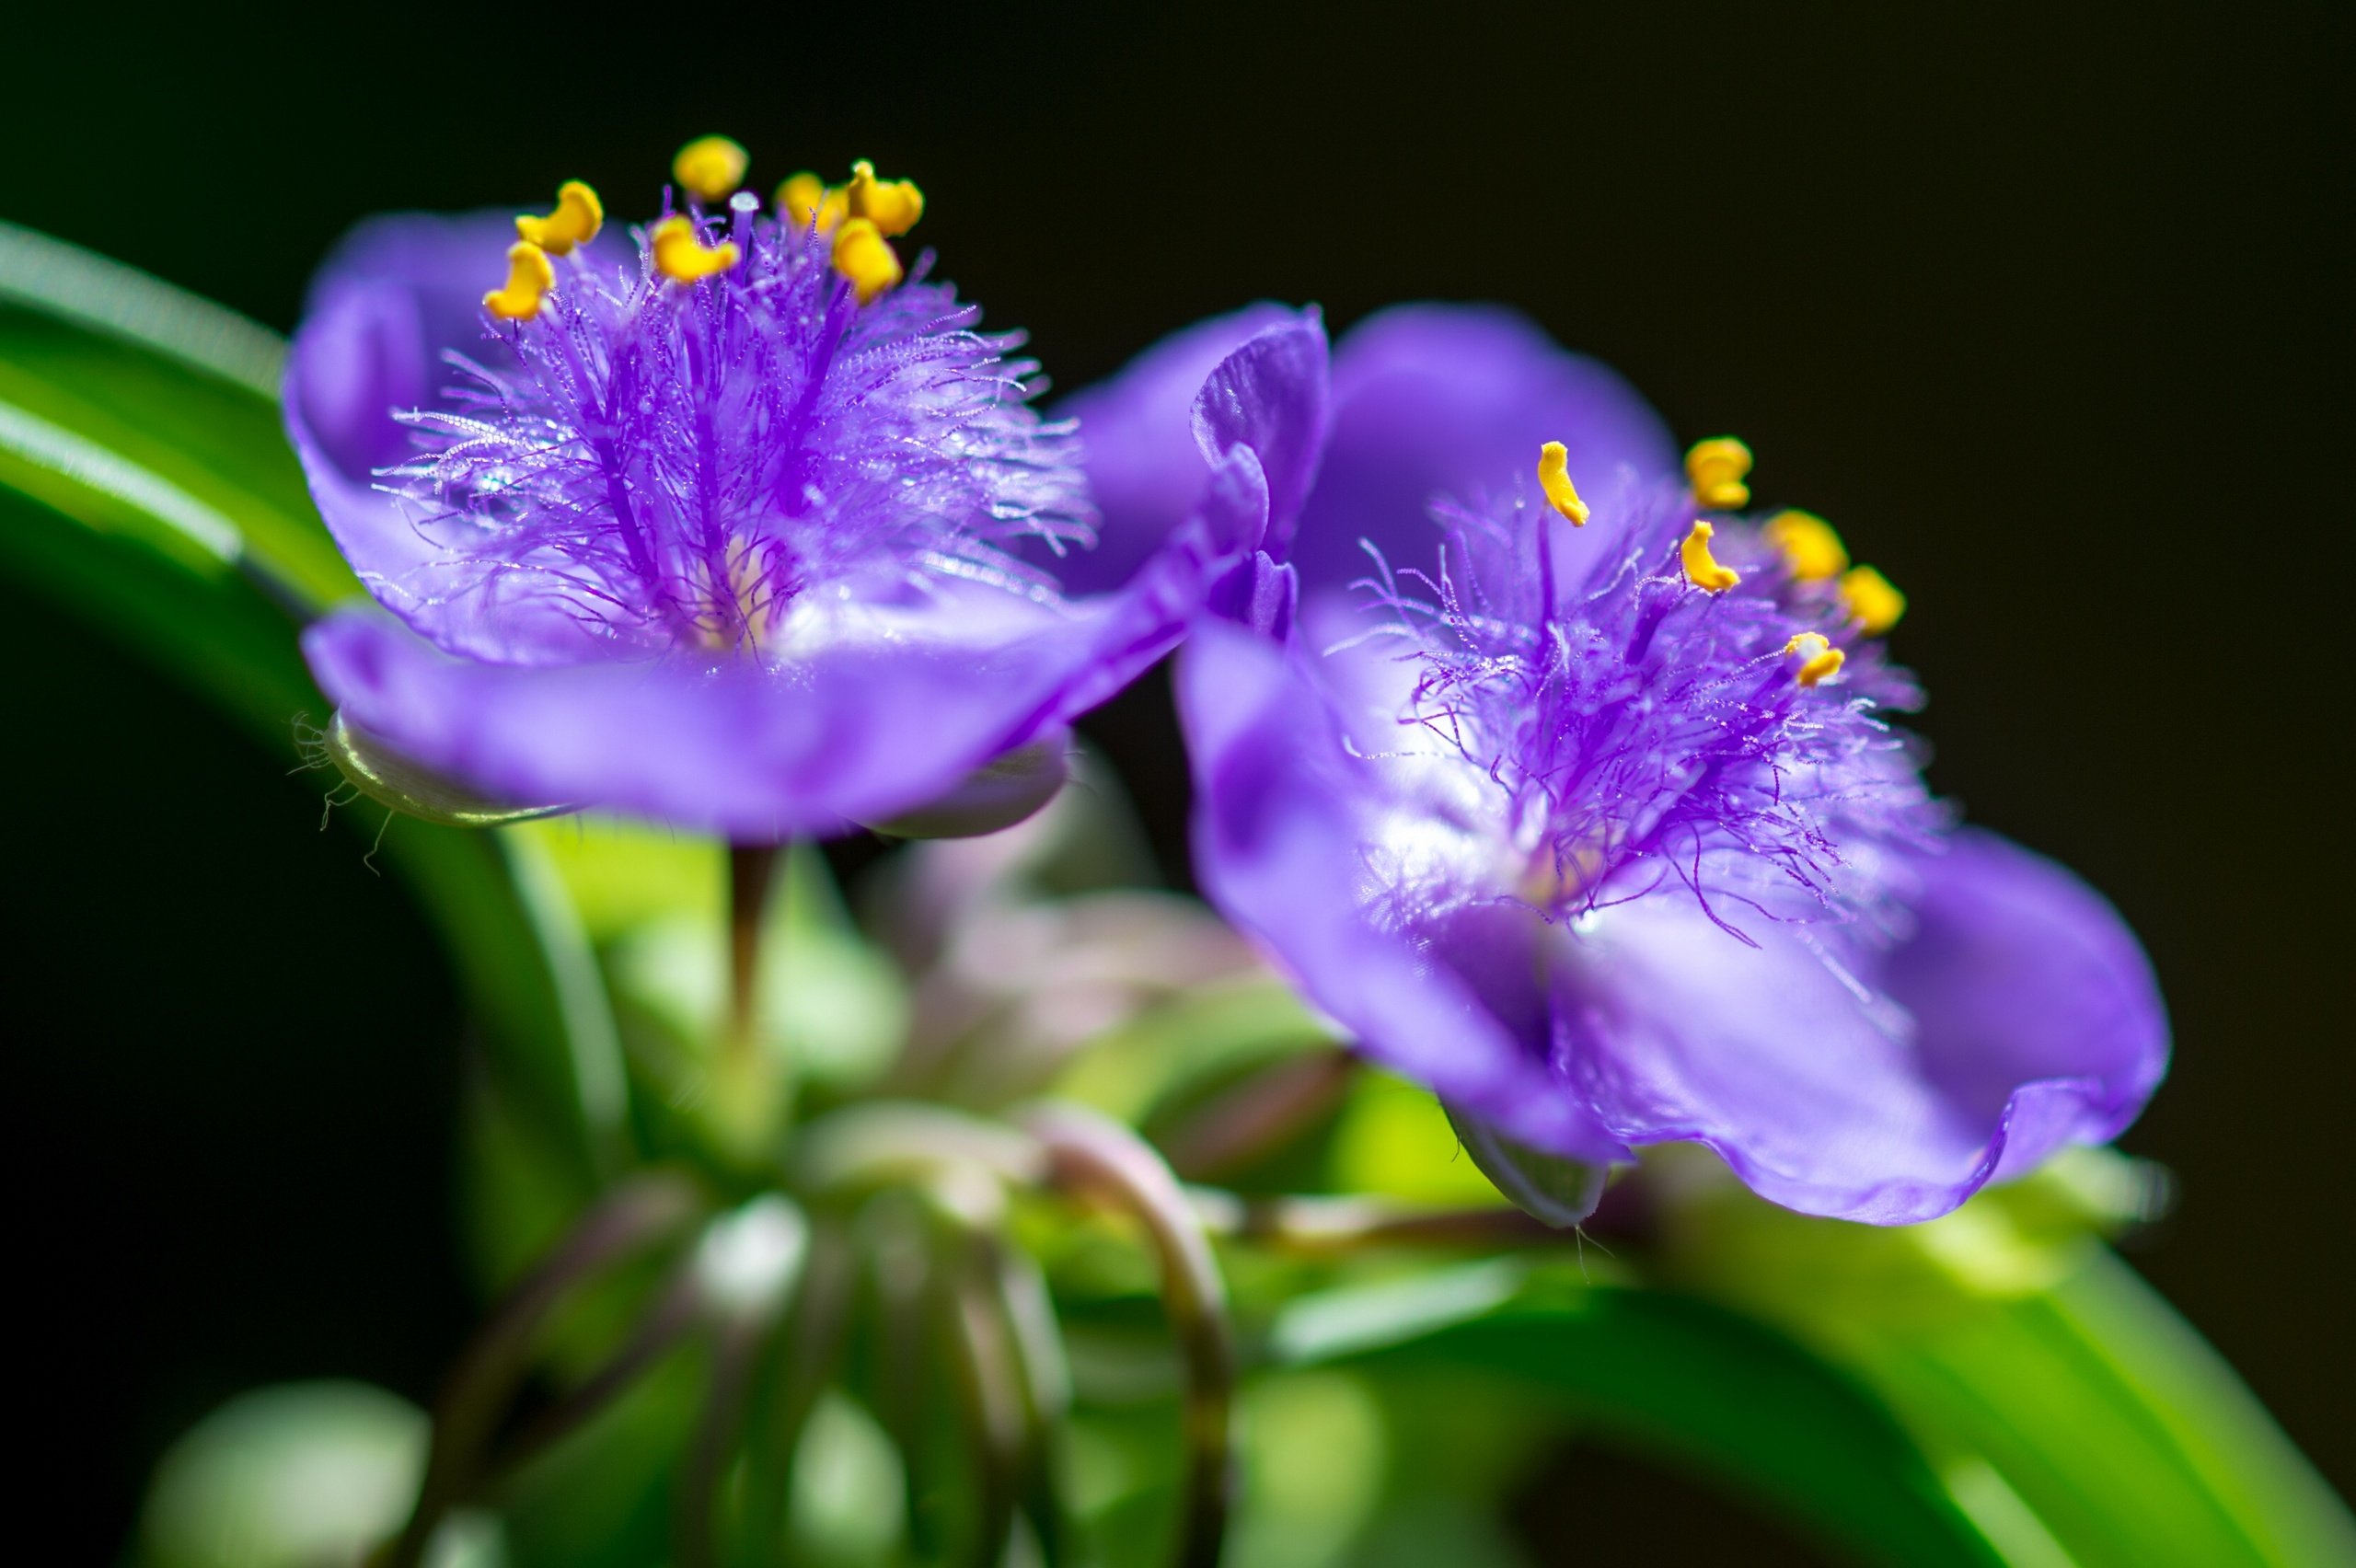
(1547, 1187)
(384, 776)
(996, 795)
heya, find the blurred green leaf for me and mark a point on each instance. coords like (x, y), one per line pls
(298, 1475)
(284, 1478)
(1394, 1140)
(1666, 1374)
(133, 406)
(2066, 1402)
(600, 1497)
(145, 484)
(105, 297)
(622, 874)
(831, 1008)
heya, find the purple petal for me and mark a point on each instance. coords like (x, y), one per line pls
(2019, 974)
(1457, 399)
(1282, 816)
(395, 295)
(1767, 1056)
(1270, 396)
(861, 728)
(1828, 1097)
(1145, 471)
(1257, 592)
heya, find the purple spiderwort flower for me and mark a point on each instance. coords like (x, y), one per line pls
(738, 525)
(1586, 817)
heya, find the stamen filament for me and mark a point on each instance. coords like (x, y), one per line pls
(808, 201)
(1554, 478)
(530, 279)
(1701, 568)
(1820, 661)
(578, 217)
(1717, 468)
(892, 205)
(1872, 598)
(1809, 544)
(710, 167)
(864, 257)
(680, 255)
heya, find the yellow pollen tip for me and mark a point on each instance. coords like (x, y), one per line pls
(681, 258)
(1870, 597)
(711, 168)
(1554, 478)
(578, 217)
(1717, 468)
(806, 200)
(1701, 568)
(1809, 545)
(1819, 659)
(892, 205)
(865, 256)
(529, 278)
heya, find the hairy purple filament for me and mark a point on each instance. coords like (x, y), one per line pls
(1629, 730)
(684, 466)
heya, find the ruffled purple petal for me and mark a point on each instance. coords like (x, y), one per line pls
(872, 722)
(1145, 471)
(1282, 820)
(2019, 974)
(1885, 1089)
(1768, 1055)
(396, 294)
(1270, 396)
(391, 296)
(1433, 400)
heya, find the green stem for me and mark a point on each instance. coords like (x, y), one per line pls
(676, 1313)
(483, 1380)
(807, 1353)
(752, 869)
(735, 1353)
(1020, 1298)
(994, 1420)
(1089, 1153)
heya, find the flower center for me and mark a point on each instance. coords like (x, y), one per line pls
(1656, 716)
(680, 452)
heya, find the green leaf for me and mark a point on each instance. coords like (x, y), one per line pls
(280, 1477)
(2068, 1405)
(136, 408)
(145, 484)
(1666, 1374)
(79, 287)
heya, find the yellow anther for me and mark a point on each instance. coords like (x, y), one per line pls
(865, 256)
(892, 205)
(1702, 567)
(681, 258)
(529, 278)
(578, 217)
(806, 198)
(1819, 659)
(711, 168)
(1872, 600)
(1717, 468)
(1554, 478)
(1809, 543)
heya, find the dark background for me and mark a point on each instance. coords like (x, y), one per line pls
(2046, 311)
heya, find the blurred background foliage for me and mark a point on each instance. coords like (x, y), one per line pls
(2036, 305)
